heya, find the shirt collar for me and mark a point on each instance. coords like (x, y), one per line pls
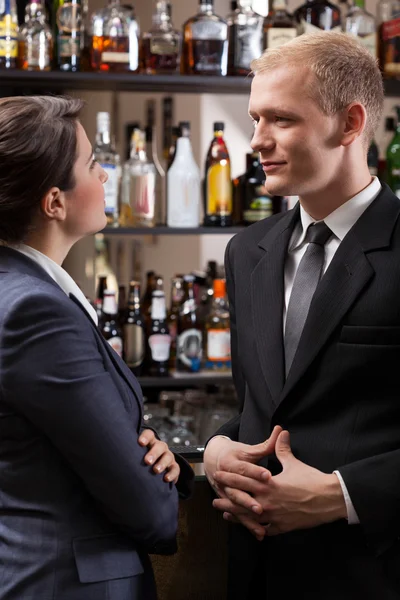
(60, 276)
(341, 220)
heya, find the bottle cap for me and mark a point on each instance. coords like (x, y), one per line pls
(103, 121)
(219, 126)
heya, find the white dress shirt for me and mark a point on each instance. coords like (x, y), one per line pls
(340, 221)
(60, 276)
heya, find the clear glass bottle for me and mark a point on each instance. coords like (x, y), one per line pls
(218, 333)
(279, 25)
(35, 39)
(68, 26)
(217, 182)
(245, 38)
(205, 43)
(161, 45)
(8, 34)
(115, 41)
(183, 184)
(139, 184)
(108, 158)
(362, 24)
(152, 155)
(109, 325)
(315, 15)
(388, 17)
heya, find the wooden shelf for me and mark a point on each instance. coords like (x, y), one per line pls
(204, 378)
(54, 81)
(170, 230)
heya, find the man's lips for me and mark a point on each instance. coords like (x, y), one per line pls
(270, 165)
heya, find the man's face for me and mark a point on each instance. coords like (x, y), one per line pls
(298, 144)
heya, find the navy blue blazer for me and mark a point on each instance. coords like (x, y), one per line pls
(79, 509)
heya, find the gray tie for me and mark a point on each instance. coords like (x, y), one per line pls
(304, 285)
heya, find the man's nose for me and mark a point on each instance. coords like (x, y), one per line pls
(262, 139)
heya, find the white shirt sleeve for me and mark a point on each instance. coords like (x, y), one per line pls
(352, 516)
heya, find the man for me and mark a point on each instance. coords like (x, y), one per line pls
(315, 322)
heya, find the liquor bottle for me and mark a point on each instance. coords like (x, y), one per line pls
(230, 17)
(218, 333)
(109, 325)
(189, 340)
(217, 182)
(172, 148)
(152, 155)
(68, 26)
(245, 34)
(101, 287)
(315, 15)
(35, 39)
(8, 35)
(167, 120)
(134, 331)
(205, 43)
(362, 24)
(388, 17)
(115, 43)
(256, 202)
(86, 38)
(373, 158)
(279, 25)
(173, 316)
(159, 340)
(183, 184)
(161, 45)
(107, 157)
(393, 159)
(129, 128)
(139, 185)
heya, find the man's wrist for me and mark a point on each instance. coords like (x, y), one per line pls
(335, 505)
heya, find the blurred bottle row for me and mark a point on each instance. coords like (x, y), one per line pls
(67, 36)
(193, 333)
(143, 193)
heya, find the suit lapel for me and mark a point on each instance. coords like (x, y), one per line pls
(346, 277)
(267, 296)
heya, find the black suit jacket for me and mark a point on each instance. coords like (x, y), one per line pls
(79, 509)
(340, 402)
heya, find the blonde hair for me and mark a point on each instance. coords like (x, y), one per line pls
(344, 70)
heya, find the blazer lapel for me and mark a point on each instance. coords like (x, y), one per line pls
(267, 296)
(346, 277)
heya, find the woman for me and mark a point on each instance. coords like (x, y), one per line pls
(83, 500)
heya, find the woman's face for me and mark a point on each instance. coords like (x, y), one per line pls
(85, 202)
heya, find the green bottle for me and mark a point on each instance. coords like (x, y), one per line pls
(393, 159)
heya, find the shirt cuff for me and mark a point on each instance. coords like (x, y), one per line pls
(352, 516)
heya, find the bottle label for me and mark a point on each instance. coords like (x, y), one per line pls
(219, 190)
(160, 345)
(260, 208)
(210, 56)
(111, 189)
(158, 312)
(142, 197)
(8, 38)
(134, 345)
(391, 46)
(115, 57)
(219, 345)
(249, 43)
(209, 30)
(184, 188)
(37, 52)
(189, 348)
(164, 46)
(116, 344)
(277, 36)
(325, 24)
(68, 46)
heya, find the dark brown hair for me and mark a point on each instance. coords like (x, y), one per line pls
(38, 150)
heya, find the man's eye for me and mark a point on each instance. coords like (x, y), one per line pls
(281, 119)
(254, 123)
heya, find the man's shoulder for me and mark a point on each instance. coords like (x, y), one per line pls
(253, 234)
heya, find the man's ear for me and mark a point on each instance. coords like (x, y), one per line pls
(354, 121)
(53, 204)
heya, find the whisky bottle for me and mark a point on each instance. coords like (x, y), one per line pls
(183, 184)
(161, 45)
(245, 33)
(109, 325)
(205, 43)
(388, 16)
(189, 340)
(362, 25)
(279, 25)
(8, 35)
(217, 182)
(159, 340)
(134, 331)
(139, 185)
(115, 41)
(68, 25)
(218, 334)
(315, 15)
(108, 159)
(256, 202)
(35, 40)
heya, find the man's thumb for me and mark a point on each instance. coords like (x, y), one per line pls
(282, 448)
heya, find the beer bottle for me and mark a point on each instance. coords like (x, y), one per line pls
(159, 340)
(189, 341)
(134, 331)
(109, 325)
(173, 315)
